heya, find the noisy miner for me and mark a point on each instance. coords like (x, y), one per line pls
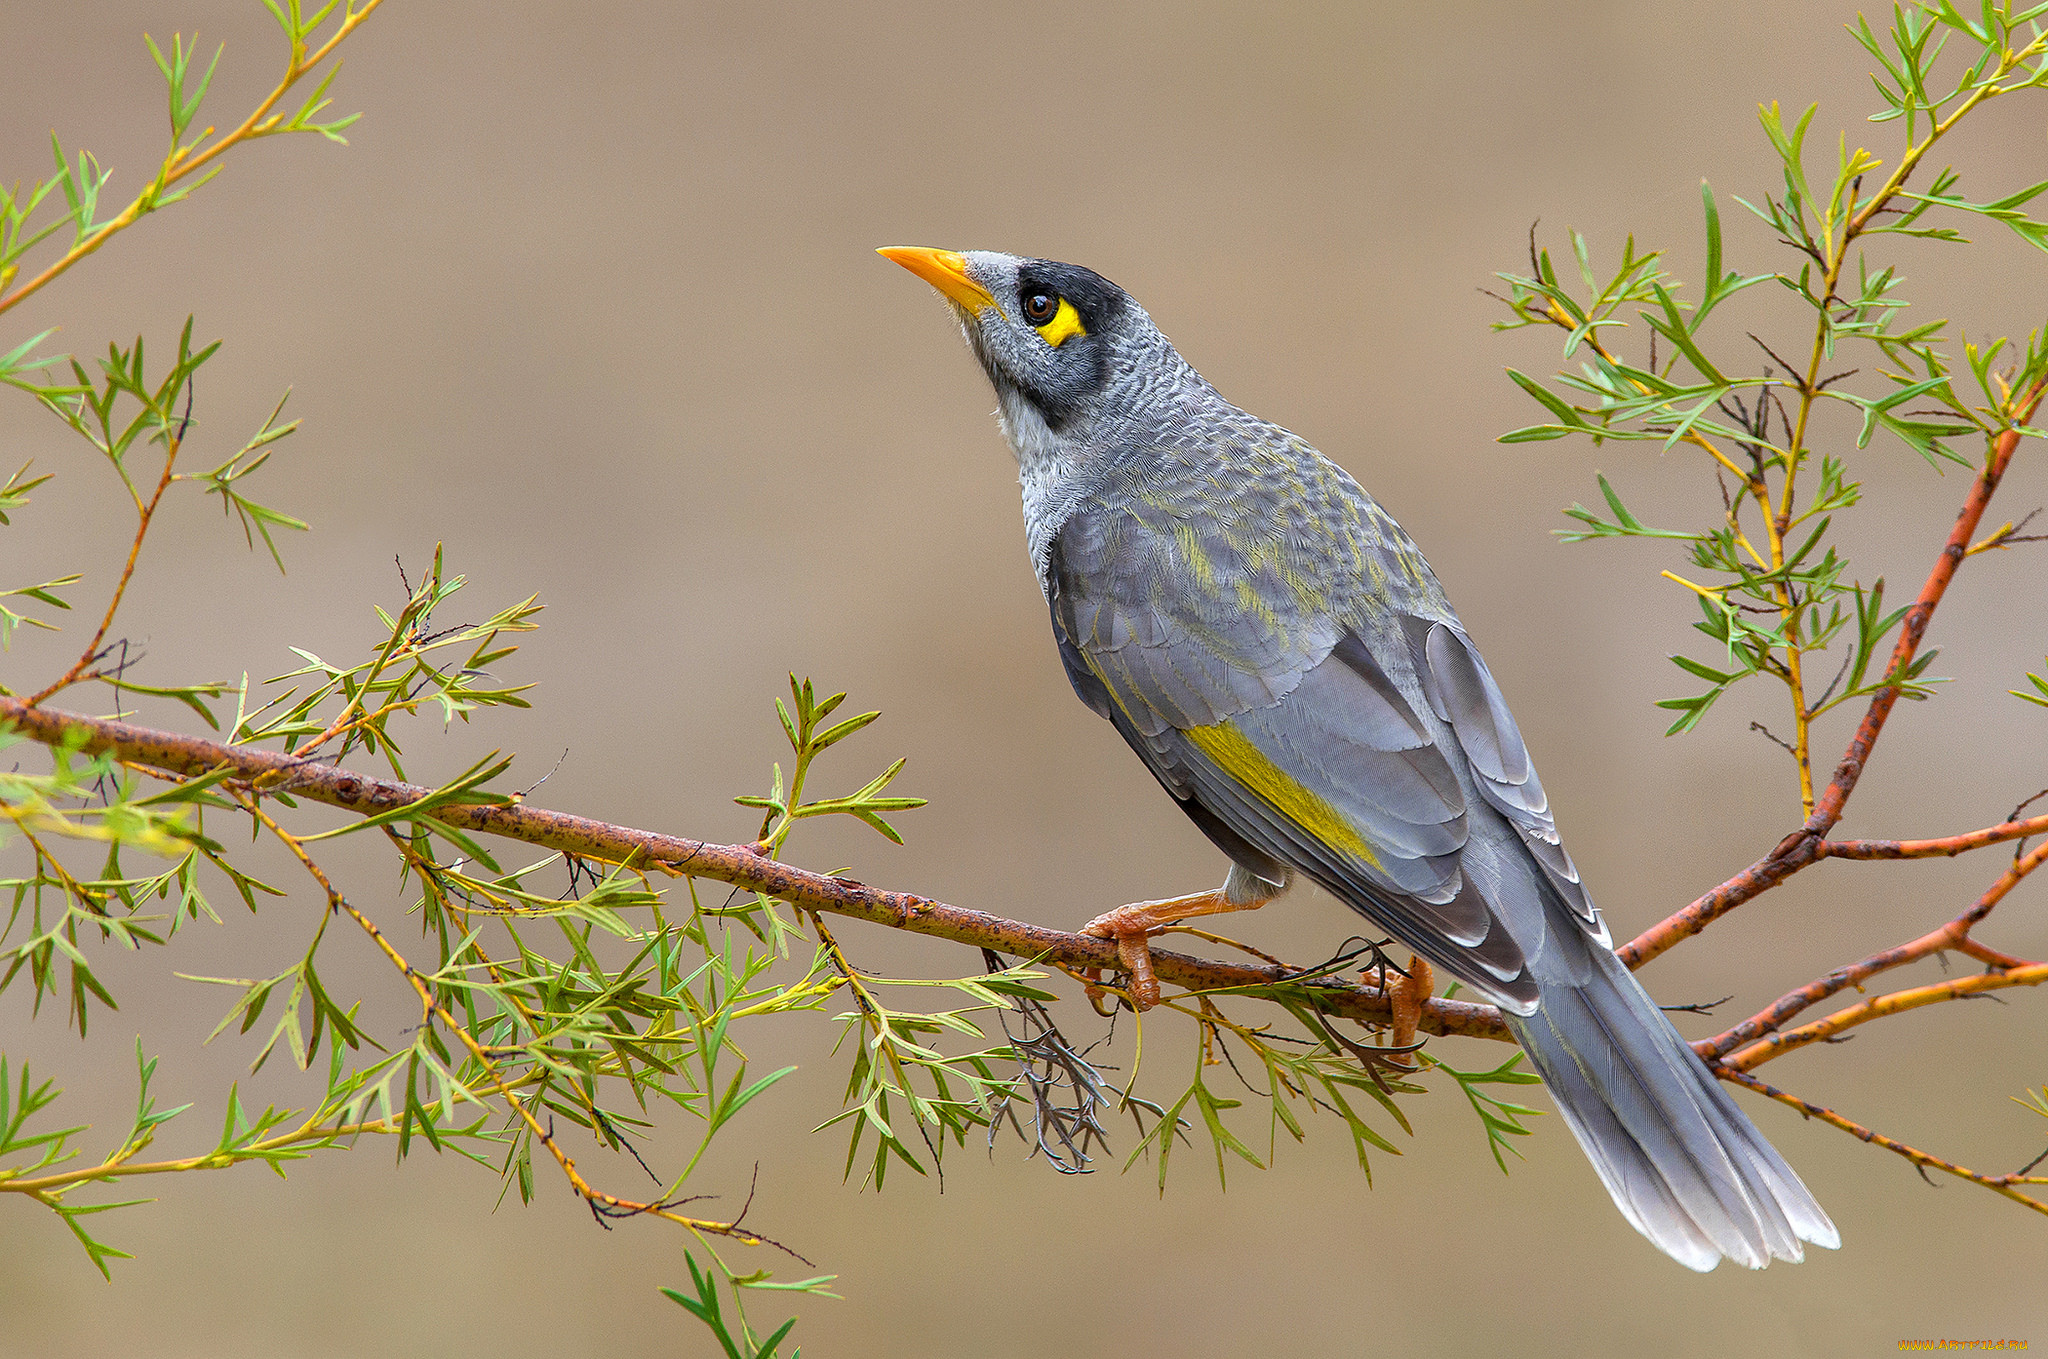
(1275, 649)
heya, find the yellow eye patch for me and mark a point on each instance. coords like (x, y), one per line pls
(1064, 326)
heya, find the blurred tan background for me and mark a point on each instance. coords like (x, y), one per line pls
(591, 298)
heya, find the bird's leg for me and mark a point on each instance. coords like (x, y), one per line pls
(1132, 927)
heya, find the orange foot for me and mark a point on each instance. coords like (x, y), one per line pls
(1134, 925)
(1407, 994)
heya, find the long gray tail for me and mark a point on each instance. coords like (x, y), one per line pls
(1684, 1165)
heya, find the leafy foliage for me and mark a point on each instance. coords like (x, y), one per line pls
(2040, 694)
(808, 739)
(1501, 1118)
(1772, 588)
(28, 216)
(705, 1304)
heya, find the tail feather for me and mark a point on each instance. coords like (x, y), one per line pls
(1686, 1167)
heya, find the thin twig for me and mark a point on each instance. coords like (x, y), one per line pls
(185, 161)
(1878, 1007)
(1998, 1184)
(92, 652)
(1806, 845)
(1945, 847)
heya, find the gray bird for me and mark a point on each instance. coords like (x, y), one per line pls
(1275, 649)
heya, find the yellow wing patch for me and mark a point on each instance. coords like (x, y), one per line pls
(1064, 326)
(1246, 763)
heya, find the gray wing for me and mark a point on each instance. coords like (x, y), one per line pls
(1278, 726)
(1379, 758)
(1170, 656)
(1462, 692)
(1343, 781)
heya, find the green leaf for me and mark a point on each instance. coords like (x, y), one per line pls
(1789, 145)
(1706, 672)
(2006, 210)
(1212, 1110)
(17, 360)
(1529, 434)
(1501, 1119)
(97, 1251)
(1672, 326)
(840, 731)
(1713, 292)
(1623, 525)
(2040, 694)
(1555, 404)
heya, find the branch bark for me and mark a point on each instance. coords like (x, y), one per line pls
(1945, 847)
(258, 773)
(1778, 1044)
(1999, 1184)
(1955, 935)
(271, 772)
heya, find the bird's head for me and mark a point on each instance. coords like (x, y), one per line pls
(1068, 351)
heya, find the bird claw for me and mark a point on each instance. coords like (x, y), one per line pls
(1100, 998)
(1132, 928)
(1406, 994)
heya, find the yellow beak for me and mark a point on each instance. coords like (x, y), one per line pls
(944, 270)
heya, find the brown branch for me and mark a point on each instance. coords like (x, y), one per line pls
(260, 772)
(1896, 1002)
(1955, 935)
(1946, 847)
(1793, 853)
(267, 772)
(1805, 845)
(1998, 1184)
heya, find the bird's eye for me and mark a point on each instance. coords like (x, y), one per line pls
(1051, 315)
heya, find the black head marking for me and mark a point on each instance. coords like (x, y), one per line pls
(1098, 301)
(1083, 365)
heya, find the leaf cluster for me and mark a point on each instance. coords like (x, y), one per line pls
(29, 215)
(54, 910)
(902, 1083)
(705, 1303)
(405, 674)
(808, 738)
(1772, 585)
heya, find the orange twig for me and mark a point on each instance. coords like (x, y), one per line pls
(1997, 1184)
(1828, 810)
(1946, 847)
(92, 648)
(1955, 935)
(1896, 1002)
